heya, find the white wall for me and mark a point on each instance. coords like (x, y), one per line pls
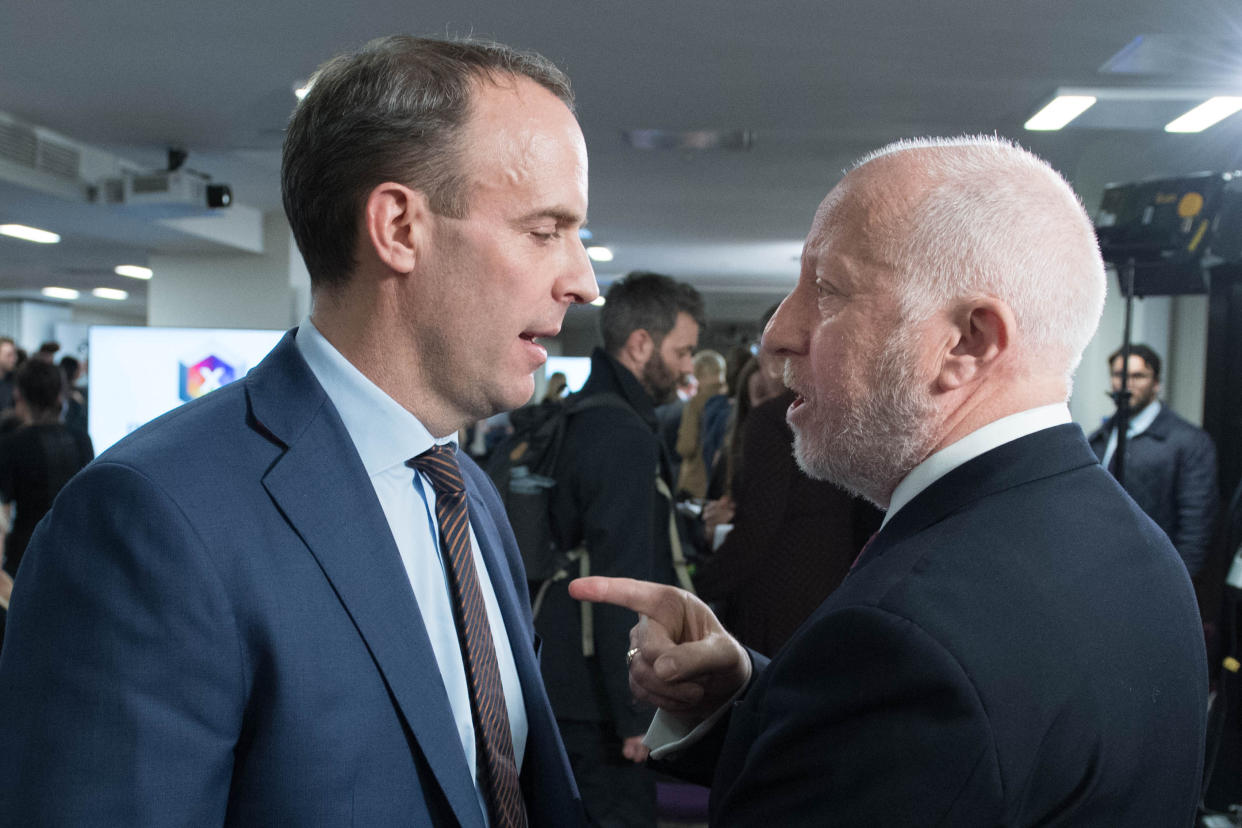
(32, 323)
(239, 290)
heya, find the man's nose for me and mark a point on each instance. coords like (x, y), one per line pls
(784, 335)
(578, 282)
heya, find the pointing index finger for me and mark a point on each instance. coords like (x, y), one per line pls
(663, 604)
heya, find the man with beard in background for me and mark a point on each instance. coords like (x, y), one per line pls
(613, 480)
(1018, 644)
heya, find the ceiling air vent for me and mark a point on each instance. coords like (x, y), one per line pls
(58, 159)
(19, 144)
(22, 145)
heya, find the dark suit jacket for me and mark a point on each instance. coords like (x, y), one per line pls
(606, 497)
(1171, 473)
(1018, 646)
(213, 626)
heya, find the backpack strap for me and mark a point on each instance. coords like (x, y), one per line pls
(674, 537)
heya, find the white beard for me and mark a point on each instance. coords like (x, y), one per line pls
(867, 446)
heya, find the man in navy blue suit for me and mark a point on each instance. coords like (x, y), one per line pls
(1019, 644)
(240, 614)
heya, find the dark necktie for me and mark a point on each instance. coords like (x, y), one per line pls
(497, 769)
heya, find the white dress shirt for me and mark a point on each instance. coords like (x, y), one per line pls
(669, 733)
(386, 435)
(995, 433)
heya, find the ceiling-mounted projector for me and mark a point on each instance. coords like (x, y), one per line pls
(175, 192)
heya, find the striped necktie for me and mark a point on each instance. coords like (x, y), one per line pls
(497, 769)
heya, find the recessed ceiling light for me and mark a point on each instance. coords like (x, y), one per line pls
(110, 293)
(30, 234)
(1205, 114)
(60, 293)
(133, 271)
(1058, 113)
(599, 301)
(599, 253)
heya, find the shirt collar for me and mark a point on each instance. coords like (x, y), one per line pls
(384, 433)
(994, 434)
(1143, 420)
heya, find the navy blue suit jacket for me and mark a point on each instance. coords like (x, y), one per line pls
(1020, 645)
(214, 626)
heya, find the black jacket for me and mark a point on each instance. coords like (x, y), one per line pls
(1171, 473)
(1019, 645)
(605, 495)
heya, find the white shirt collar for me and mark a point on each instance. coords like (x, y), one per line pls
(384, 433)
(994, 434)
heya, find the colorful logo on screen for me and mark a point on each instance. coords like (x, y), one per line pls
(205, 376)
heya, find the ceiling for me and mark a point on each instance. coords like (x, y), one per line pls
(817, 83)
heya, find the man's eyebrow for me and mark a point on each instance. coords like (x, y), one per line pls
(560, 214)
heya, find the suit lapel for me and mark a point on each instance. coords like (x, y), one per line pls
(358, 556)
(1041, 454)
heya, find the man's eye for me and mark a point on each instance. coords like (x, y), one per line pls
(545, 236)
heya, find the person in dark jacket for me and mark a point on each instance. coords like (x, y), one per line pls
(1019, 644)
(1170, 465)
(609, 498)
(37, 460)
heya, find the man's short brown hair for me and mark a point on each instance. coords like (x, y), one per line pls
(391, 111)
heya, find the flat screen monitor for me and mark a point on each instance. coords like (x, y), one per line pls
(136, 374)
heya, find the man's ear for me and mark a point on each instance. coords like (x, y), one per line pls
(396, 221)
(979, 337)
(637, 350)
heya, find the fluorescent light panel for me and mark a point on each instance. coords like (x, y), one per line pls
(133, 271)
(1058, 113)
(599, 253)
(1205, 114)
(30, 234)
(598, 301)
(60, 293)
(110, 293)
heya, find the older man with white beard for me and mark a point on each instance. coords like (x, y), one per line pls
(1018, 644)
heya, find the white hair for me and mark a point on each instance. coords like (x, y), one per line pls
(996, 220)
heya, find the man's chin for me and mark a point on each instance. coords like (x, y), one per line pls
(808, 461)
(816, 465)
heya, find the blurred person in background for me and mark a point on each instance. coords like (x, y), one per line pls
(614, 498)
(74, 406)
(8, 364)
(709, 370)
(40, 457)
(1170, 466)
(556, 388)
